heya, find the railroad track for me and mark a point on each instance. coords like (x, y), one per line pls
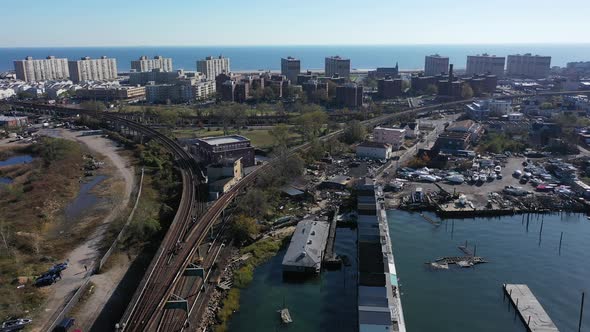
(145, 310)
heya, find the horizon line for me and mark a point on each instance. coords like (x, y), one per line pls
(305, 45)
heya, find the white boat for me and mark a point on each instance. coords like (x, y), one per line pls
(427, 178)
(517, 173)
(475, 177)
(498, 169)
(285, 316)
(455, 179)
(493, 176)
(483, 178)
(462, 200)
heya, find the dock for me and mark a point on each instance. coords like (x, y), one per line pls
(531, 312)
(330, 257)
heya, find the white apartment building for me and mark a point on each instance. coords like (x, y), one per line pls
(87, 69)
(373, 150)
(481, 109)
(528, 66)
(436, 65)
(51, 68)
(144, 64)
(211, 67)
(483, 64)
(392, 136)
(203, 89)
(337, 65)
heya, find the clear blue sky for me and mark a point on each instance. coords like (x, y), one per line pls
(293, 22)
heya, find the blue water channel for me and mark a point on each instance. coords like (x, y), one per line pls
(22, 159)
(462, 300)
(324, 303)
(84, 200)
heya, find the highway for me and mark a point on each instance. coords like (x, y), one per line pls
(192, 222)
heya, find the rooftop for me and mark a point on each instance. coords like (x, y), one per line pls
(224, 140)
(373, 145)
(307, 244)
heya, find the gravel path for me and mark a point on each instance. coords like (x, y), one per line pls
(82, 258)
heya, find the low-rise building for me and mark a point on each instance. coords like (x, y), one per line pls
(474, 129)
(210, 150)
(482, 109)
(13, 121)
(112, 92)
(452, 141)
(307, 247)
(223, 175)
(412, 129)
(392, 136)
(374, 150)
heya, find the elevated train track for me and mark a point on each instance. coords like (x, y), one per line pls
(193, 221)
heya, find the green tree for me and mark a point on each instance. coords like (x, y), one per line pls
(431, 89)
(406, 85)
(168, 117)
(354, 131)
(310, 124)
(254, 203)
(280, 133)
(269, 94)
(466, 91)
(93, 105)
(244, 228)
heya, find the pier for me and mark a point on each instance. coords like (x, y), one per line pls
(330, 257)
(531, 312)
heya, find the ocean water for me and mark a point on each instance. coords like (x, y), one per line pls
(312, 57)
(461, 300)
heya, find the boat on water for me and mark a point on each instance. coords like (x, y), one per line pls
(285, 316)
(15, 324)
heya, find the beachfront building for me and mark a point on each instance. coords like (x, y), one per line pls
(436, 65)
(87, 69)
(143, 64)
(33, 70)
(528, 66)
(290, 67)
(337, 66)
(212, 67)
(485, 64)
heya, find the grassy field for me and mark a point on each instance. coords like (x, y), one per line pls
(261, 138)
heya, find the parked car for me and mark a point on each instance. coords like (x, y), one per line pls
(64, 325)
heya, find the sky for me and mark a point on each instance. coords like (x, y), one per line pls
(294, 22)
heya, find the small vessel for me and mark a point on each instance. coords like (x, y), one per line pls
(498, 169)
(285, 314)
(455, 179)
(15, 324)
(483, 178)
(427, 178)
(517, 173)
(493, 176)
(475, 177)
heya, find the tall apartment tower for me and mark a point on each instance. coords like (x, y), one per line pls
(435, 65)
(87, 69)
(337, 65)
(158, 62)
(290, 67)
(51, 68)
(528, 66)
(211, 67)
(483, 64)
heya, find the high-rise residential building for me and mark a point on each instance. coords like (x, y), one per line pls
(211, 67)
(528, 66)
(158, 62)
(349, 95)
(290, 67)
(51, 68)
(336, 65)
(484, 64)
(436, 65)
(87, 69)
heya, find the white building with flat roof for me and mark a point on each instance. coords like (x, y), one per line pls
(528, 66)
(484, 64)
(144, 64)
(211, 67)
(436, 65)
(373, 150)
(392, 136)
(87, 69)
(32, 70)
